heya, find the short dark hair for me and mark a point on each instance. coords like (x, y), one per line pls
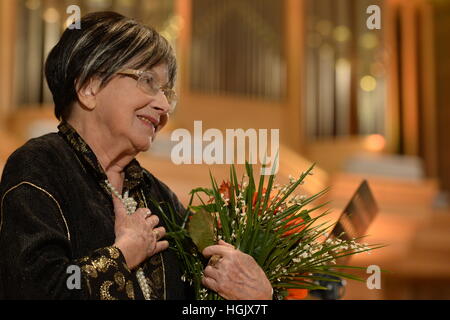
(106, 43)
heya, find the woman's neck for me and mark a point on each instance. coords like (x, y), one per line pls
(112, 156)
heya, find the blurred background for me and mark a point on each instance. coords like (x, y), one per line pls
(362, 104)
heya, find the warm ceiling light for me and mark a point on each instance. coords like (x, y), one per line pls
(375, 143)
(51, 15)
(368, 83)
(33, 4)
(342, 34)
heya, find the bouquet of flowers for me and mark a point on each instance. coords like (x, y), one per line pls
(268, 221)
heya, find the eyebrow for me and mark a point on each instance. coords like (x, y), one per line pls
(166, 84)
(151, 70)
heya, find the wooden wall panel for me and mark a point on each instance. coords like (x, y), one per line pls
(7, 41)
(224, 110)
(427, 99)
(442, 56)
(409, 74)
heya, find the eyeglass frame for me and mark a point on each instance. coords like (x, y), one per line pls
(169, 93)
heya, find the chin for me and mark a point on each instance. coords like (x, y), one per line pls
(143, 145)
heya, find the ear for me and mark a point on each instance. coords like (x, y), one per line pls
(87, 95)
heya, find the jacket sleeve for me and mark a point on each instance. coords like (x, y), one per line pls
(36, 258)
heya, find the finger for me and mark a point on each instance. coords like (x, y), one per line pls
(161, 246)
(223, 243)
(153, 221)
(159, 232)
(143, 211)
(211, 272)
(214, 260)
(119, 208)
(210, 283)
(220, 250)
(156, 233)
(147, 214)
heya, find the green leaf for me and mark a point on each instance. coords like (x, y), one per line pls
(262, 233)
(211, 207)
(201, 229)
(260, 240)
(207, 191)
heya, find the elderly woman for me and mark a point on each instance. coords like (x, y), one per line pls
(61, 194)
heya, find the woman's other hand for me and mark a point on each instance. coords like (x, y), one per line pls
(137, 235)
(236, 276)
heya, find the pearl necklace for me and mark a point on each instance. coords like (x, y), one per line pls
(131, 205)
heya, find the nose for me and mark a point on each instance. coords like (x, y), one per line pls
(162, 106)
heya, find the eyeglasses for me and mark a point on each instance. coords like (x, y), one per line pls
(148, 82)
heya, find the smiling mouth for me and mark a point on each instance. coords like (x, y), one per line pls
(147, 122)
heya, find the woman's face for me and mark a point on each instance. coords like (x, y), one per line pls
(131, 116)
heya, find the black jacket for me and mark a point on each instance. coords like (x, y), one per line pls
(56, 212)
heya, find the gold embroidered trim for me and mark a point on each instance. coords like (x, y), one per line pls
(90, 270)
(41, 189)
(119, 278)
(103, 263)
(130, 289)
(104, 291)
(113, 252)
(84, 259)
